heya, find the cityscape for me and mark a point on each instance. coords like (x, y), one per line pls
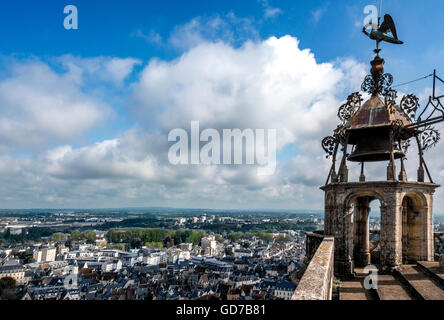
(198, 255)
(155, 254)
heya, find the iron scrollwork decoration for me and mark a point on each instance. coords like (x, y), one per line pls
(377, 84)
(339, 134)
(404, 145)
(368, 84)
(348, 109)
(385, 82)
(397, 127)
(390, 96)
(329, 144)
(410, 104)
(429, 138)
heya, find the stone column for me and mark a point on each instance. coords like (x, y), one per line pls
(391, 231)
(362, 232)
(343, 242)
(429, 240)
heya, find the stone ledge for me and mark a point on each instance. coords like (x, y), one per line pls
(316, 283)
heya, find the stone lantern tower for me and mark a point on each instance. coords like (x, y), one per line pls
(379, 130)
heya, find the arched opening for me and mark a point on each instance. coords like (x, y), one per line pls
(366, 230)
(375, 231)
(412, 214)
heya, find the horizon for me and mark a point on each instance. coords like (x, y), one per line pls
(294, 211)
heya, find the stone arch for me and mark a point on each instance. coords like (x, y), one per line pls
(414, 211)
(364, 193)
(356, 222)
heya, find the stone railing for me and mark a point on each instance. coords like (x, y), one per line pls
(317, 281)
(312, 243)
(439, 245)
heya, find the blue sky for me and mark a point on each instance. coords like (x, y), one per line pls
(162, 36)
(331, 29)
(106, 28)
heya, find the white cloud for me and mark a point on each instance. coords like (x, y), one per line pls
(318, 13)
(57, 101)
(100, 69)
(267, 84)
(106, 159)
(227, 28)
(151, 37)
(269, 11)
(264, 84)
(271, 83)
(37, 104)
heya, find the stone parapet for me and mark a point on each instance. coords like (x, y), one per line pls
(316, 283)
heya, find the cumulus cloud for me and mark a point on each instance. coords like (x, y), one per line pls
(54, 101)
(267, 84)
(119, 158)
(258, 84)
(227, 28)
(264, 84)
(38, 104)
(100, 69)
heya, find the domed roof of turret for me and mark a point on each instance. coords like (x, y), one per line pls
(375, 112)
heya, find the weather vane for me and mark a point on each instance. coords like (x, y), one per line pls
(380, 31)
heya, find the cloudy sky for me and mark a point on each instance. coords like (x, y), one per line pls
(85, 114)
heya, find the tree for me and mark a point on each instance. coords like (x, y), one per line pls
(58, 237)
(154, 244)
(283, 239)
(136, 244)
(75, 235)
(168, 242)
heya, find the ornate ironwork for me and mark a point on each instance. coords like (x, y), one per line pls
(398, 129)
(339, 134)
(410, 104)
(348, 109)
(385, 81)
(377, 84)
(390, 96)
(429, 138)
(368, 84)
(329, 144)
(404, 145)
(355, 100)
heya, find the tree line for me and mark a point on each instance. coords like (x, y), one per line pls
(136, 238)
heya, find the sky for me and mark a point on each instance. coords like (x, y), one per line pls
(85, 114)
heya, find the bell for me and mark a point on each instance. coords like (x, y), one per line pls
(372, 144)
(370, 131)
